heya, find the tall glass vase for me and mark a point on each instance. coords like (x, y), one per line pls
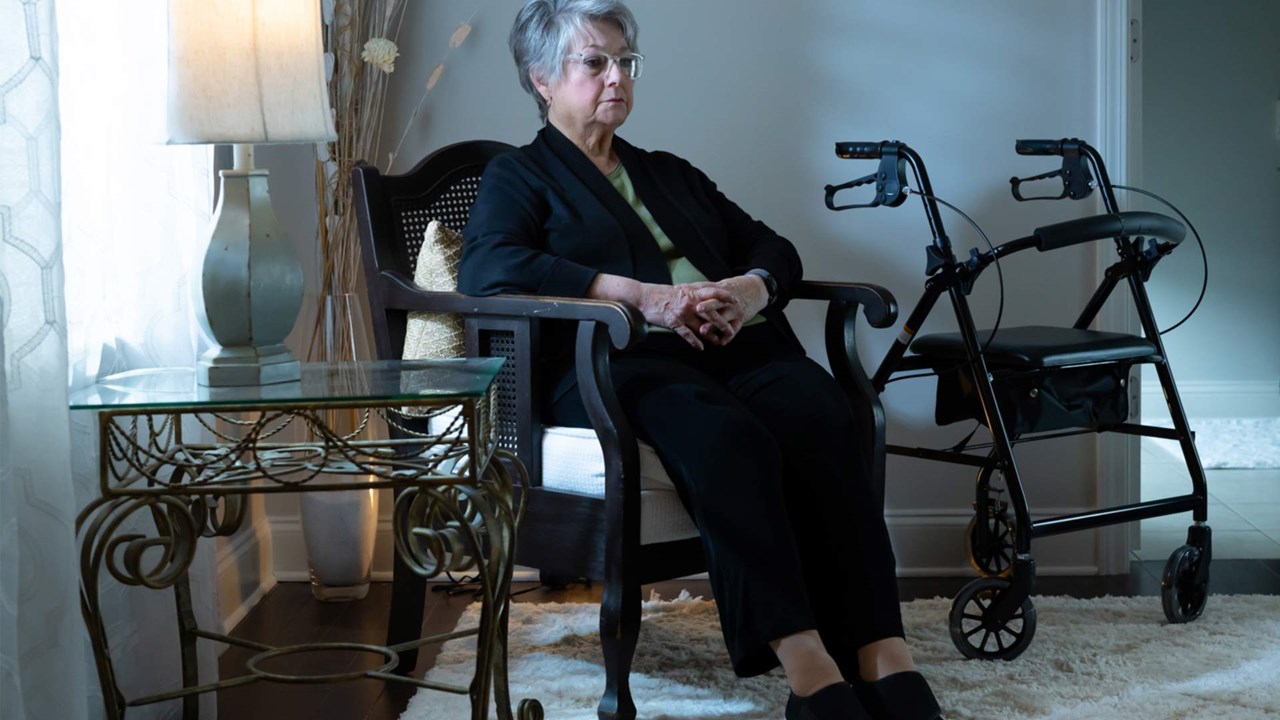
(339, 526)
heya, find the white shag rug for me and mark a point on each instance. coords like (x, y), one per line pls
(1231, 442)
(1101, 658)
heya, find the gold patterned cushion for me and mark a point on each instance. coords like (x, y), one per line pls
(436, 335)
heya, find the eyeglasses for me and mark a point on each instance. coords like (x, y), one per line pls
(597, 63)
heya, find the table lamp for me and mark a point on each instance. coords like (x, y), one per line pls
(246, 72)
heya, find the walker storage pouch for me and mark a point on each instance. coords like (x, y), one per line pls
(1032, 401)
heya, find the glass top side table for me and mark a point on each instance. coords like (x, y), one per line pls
(186, 456)
(327, 383)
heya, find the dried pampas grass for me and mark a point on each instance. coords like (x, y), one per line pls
(361, 48)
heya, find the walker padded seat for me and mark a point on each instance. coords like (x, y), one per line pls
(1045, 378)
(1036, 347)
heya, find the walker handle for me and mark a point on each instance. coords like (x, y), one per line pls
(1110, 225)
(890, 178)
(1038, 147)
(861, 150)
(1077, 181)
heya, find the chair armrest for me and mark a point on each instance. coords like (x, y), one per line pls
(880, 306)
(625, 323)
(881, 309)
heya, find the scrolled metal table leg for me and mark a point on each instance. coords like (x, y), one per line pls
(105, 542)
(187, 639)
(439, 528)
(211, 516)
(458, 527)
(89, 525)
(502, 535)
(501, 532)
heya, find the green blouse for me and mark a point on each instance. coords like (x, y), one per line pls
(682, 271)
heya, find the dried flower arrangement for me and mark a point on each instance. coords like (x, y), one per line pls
(360, 53)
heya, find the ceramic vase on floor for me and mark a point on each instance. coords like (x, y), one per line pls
(339, 527)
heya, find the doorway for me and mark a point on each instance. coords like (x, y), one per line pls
(1208, 140)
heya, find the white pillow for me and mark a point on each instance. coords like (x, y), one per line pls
(436, 335)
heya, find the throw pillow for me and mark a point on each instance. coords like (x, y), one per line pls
(436, 335)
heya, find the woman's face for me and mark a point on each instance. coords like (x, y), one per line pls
(589, 98)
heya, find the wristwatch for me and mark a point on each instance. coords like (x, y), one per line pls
(770, 284)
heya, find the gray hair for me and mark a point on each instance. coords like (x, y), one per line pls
(544, 29)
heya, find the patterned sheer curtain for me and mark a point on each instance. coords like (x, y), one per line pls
(85, 186)
(42, 663)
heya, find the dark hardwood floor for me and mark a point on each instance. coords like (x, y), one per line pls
(288, 615)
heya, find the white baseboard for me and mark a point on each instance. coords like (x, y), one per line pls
(230, 621)
(926, 542)
(931, 543)
(242, 581)
(1214, 399)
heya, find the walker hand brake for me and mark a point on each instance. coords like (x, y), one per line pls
(890, 178)
(833, 189)
(1016, 183)
(1077, 181)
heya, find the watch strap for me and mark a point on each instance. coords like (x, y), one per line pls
(770, 285)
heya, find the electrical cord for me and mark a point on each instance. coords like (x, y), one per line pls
(1204, 256)
(457, 586)
(471, 584)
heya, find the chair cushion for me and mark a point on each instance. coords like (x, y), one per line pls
(572, 461)
(1040, 347)
(436, 335)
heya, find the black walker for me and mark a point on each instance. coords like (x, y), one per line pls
(1037, 383)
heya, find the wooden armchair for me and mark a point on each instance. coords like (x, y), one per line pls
(566, 532)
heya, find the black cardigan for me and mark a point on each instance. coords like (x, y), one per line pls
(546, 221)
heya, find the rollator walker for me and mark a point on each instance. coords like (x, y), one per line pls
(1034, 383)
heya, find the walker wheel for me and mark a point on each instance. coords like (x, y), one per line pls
(980, 636)
(995, 556)
(1183, 598)
(529, 709)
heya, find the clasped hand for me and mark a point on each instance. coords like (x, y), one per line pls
(705, 312)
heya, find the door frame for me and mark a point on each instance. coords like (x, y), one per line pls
(1118, 462)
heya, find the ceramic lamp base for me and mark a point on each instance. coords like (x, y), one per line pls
(239, 366)
(250, 286)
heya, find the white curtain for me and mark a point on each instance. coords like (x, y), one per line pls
(42, 663)
(84, 185)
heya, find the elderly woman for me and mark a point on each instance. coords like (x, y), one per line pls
(752, 432)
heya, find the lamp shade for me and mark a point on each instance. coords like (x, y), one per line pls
(247, 71)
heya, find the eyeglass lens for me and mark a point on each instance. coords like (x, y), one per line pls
(598, 63)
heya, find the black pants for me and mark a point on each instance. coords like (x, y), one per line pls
(756, 438)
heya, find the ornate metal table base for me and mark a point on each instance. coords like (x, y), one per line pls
(454, 511)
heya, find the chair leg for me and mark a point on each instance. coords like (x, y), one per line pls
(404, 621)
(619, 631)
